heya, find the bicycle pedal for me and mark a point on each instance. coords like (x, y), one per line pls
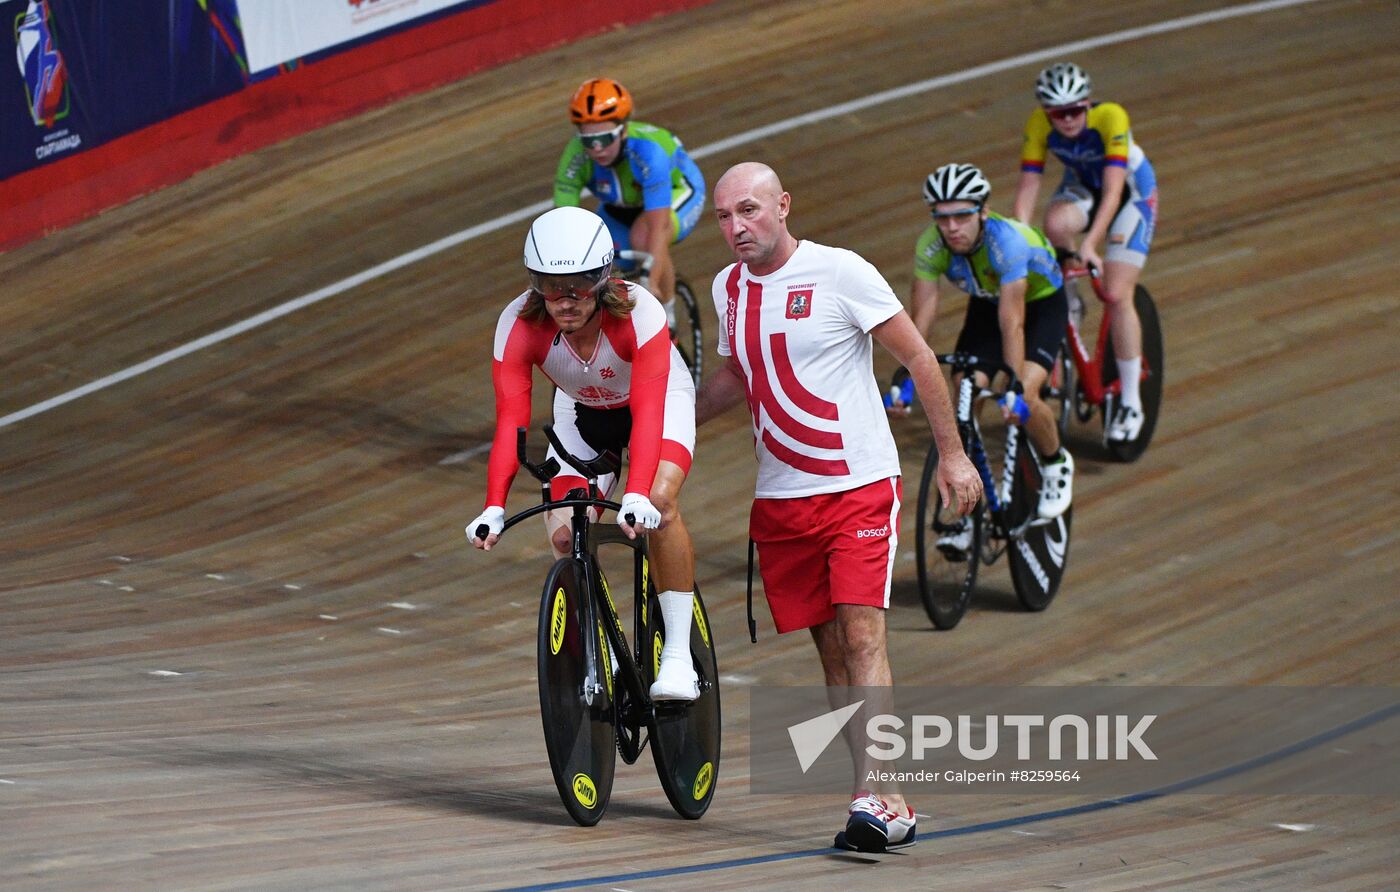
(667, 709)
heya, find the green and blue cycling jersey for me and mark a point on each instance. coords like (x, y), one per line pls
(652, 171)
(1009, 250)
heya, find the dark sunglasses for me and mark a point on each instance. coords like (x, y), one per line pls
(1067, 114)
(602, 140)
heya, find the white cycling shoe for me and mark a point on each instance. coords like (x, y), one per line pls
(1125, 426)
(956, 543)
(1056, 486)
(676, 681)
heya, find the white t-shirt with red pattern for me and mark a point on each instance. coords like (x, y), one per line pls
(802, 336)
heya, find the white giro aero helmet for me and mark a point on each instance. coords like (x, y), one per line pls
(956, 182)
(1063, 83)
(568, 241)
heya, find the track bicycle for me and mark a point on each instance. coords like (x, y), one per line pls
(1093, 380)
(1004, 521)
(595, 700)
(688, 335)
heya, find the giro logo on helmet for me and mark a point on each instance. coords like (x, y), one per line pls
(568, 239)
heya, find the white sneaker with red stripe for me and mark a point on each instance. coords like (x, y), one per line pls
(872, 827)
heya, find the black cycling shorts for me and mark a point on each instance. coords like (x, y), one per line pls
(1045, 330)
(606, 430)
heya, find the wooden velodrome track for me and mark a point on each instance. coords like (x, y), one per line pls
(245, 645)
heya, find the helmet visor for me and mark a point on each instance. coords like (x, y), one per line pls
(574, 286)
(944, 210)
(602, 140)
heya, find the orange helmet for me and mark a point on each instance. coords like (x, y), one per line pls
(600, 100)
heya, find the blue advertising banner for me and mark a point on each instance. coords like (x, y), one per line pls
(87, 71)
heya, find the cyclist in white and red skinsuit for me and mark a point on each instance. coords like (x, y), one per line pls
(604, 344)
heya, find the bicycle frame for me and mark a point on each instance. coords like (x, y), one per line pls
(583, 539)
(997, 497)
(600, 708)
(1090, 369)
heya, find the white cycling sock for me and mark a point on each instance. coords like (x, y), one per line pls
(1129, 371)
(676, 609)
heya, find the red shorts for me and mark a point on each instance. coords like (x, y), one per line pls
(818, 551)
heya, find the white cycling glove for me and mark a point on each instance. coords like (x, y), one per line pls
(641, 509)
(493, 518)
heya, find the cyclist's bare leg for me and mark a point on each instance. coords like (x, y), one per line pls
(559, 526)
(673, 566)
(1064, 221)
(1120, 281)
(1040, 427)
(672, 554)
(654, 232)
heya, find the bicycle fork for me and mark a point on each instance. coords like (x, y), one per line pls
(589, 626)
(974, 443)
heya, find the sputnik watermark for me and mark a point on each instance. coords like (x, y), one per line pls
(883, 729)
(1113, 737)
(1101, 739)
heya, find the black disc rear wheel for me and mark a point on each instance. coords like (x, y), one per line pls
(575, 704)
(685, 737)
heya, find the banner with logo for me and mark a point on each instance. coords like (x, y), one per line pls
(80, 72)
(277, 31)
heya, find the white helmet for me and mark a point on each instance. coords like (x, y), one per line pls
(1063, 83)
(956, 182)
(569, 241)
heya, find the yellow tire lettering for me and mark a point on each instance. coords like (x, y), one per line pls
(607, 658)
(585, 792)
(700, 621)
(608, 593)
(558, 619)
(703, 778)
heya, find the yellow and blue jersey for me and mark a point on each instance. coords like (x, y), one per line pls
(1106, 141)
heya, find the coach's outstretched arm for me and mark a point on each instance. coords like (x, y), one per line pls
(956, 475)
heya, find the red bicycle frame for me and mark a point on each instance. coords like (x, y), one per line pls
(1090, 369)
